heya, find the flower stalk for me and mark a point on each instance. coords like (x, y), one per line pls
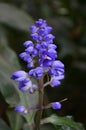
(39, 113)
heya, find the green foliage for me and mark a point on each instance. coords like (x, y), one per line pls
(14, 17)
(9, 89)
(3, 125)
(9, 63)
(7, 58)
(64, 123)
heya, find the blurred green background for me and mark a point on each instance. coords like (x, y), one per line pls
(68, 19)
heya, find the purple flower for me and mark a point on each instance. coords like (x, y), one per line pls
(44, 45)
(55, 80)
(55, 83)
(56, 105)
(19, 75)
(37, 73)
(38, 46)
(26, 57)
(52, 53)
(49, 37)
(57, 64)
(34, 36)
(29, 50)
(52, 46)
(25, 85)
(48, 29)
(40, 23)
(35, 53)
(20, 109)
(28, 43)
(33, 88)
(30, 64)
(33, 29)
(44, 31)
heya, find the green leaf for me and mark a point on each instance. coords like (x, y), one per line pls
(16, 121)
(8, 64)
(14, 17)
(3, 125)
(66, 122)
(30, 101)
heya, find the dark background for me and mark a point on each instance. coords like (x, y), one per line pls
(68, 19)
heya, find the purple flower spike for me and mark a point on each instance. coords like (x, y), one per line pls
(56, 105)
(40, 55)
(19, 75)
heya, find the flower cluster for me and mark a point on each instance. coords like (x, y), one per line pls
(40, 55)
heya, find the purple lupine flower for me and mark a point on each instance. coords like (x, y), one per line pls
(55, 80)
(44, 31)
(30, 64)
(34, 36)
(52, 46)
(49, 37)
(35, 53)
(40, 23)
(26, 57)
(55, 83)
(33, 88)
(36, 73)
(29, 50)
(25, 85)
(57, 64)
(20, 108)
(31, 91)
(28, 43)
(19, 75)
(38, 46)
(44, 45)
(52, 53)
(56, 105)
(48, 29)
(33, 29)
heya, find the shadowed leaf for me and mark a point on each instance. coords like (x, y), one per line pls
(66, 122)
(14, 17)
(3, 125)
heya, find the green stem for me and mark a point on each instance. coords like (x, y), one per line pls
(39, 113)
